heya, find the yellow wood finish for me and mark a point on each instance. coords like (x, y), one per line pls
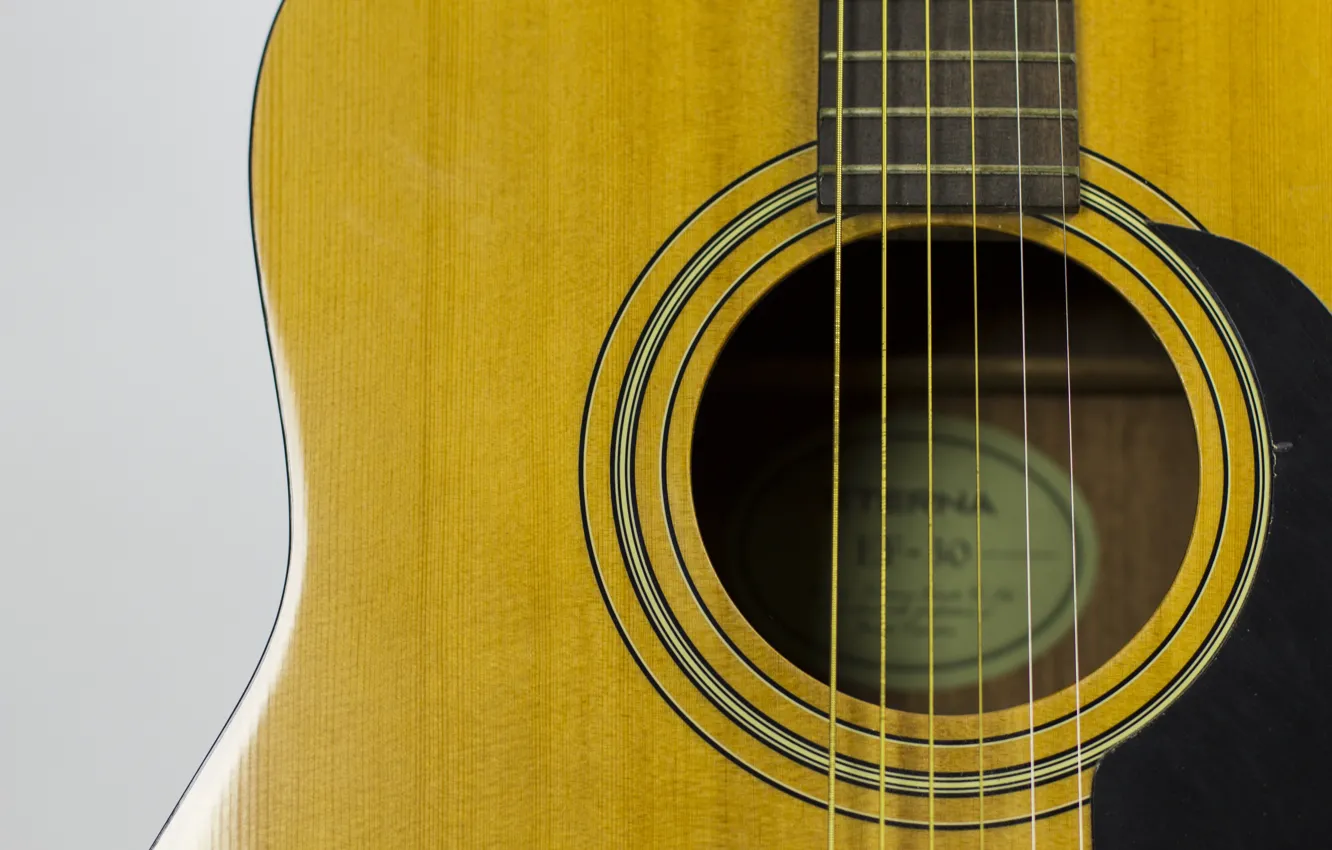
(451, 201)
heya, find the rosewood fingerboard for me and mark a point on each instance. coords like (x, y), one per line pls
(1044, 54)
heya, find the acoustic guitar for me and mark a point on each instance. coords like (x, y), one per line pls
(793, 424)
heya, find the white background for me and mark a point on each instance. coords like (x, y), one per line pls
(143, 516)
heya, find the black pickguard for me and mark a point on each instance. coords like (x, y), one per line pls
(1244, 758)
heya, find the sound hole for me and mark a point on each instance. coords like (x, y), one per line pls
(762, 473)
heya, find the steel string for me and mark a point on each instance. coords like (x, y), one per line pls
(883, 433)
(975, 347)
(1026, 451)
(837, 431)
(1068, 388)
(929, 404)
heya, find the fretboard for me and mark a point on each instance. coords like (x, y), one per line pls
(1010, 86)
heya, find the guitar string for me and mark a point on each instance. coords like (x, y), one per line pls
(975, 348)
(838, 215)
(836, 432)
(883, 432)
(1068, 390)
(929, 408)
(1026, 451)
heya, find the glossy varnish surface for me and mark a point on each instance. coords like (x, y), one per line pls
(451, 200)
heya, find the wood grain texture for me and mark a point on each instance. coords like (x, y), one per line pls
(451, 200)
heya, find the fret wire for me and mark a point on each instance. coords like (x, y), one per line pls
(949, 112)
(1027, 170)
(952, 56)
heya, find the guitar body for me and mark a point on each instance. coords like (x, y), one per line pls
(466, 217)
